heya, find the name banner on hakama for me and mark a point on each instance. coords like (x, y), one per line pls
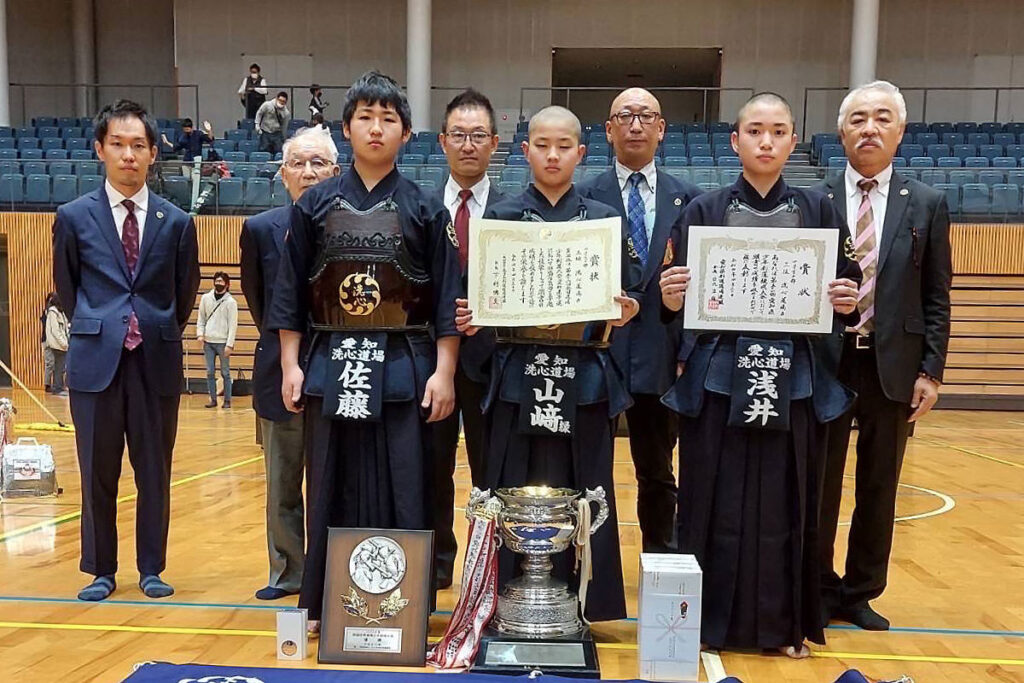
(354, 386)
(548, 407)
(760, 384)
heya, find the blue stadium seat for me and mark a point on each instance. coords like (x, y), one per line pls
(6, 132)
(910, 151)
(978, 139)
(89, 183)
(72, 144)
(1015, 177)
(728, 176)
(25, 132)
(1004, 139)
(65, 188)
(922, 162)
(709, 187)
(8, 167)
(179, 191)
(932, 176)
(674, 150)
(37, 188)
(675, 161)
(952, 193)
(699, 149)
(698, 139)
(915, 127)
(596, 161)
(925, 139)
(244, 170)
(12, 188)
(511, 188)
(976, 198)
(591, 173)
(517, 160)
(990, 151)
(55, 154)
(31, 153)
(8, 143)
(837, 163)
(257, 192)
(427, 184)
(964, 151)
(601, 149)
(59, 168)
(28, 143)
(720, 127)
(230, 192)
(81, 154)
(1015, 151)
(278, 194)
(991, 176)
(47, 132)
(1017, 127)
(234, 157)
(409, 171)
(953, 139)
(702, 161)
(679, 173)
(694, 127)
(721, 139)
(437, 160)
(990, 127)
(674, 139)
(722, 151)
(899, 162)
(435, 173)
(260, 157)
(906, 172)
(976, 162)
(943, 127)
(966, 127)
(938, 150)
(248, 146)
(420, 147)
(962, 176)
(704, 175)
(75, 132)
(33, 168)
(427, 136)
(514, 175)
(224, 146)
(237, 135)
(950, 162)
(67, 121)
(295, 124)
(414, 159)
(1004, 162)
(729, 162)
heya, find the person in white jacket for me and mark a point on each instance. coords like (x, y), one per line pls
(57, 342)
(216, 328)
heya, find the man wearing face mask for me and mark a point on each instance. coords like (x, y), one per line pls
(309, 157)
(253, 91)
(216, 328)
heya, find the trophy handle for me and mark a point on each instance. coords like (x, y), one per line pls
(597, 495)
(482, 504)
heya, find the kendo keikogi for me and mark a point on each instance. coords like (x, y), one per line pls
(371, 278)
(575, 448)
(748, 490)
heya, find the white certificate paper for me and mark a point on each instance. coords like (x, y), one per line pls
(760, 279)
(525, 273)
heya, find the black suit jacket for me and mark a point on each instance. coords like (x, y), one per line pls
(98, 292)
(645, 349)
(475, 352)
(261, 241)
(912, 283)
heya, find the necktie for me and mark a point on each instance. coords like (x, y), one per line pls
(635, 213)
(462, 226)
(865, 246)
(130, 243)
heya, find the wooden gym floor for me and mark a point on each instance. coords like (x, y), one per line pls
(955, 596)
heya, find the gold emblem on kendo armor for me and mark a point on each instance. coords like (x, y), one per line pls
(359, 294)
(848, 249)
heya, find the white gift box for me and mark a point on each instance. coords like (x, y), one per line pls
(668, 629)
(291, 634)
(654, 670)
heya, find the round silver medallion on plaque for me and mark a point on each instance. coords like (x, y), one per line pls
(377, 565)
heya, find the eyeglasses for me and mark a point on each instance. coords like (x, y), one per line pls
(625, 118)
(479, 138)
(316, 163)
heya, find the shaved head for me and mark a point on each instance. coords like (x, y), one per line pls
(765, 98)
(634, 96)
(556, 116)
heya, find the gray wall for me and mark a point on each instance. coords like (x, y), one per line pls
(501, 45)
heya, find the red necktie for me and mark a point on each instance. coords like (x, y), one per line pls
(130, 242)
(462, 226)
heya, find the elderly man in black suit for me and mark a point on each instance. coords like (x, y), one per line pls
(651, 203)
(894, 359)
(310, 156)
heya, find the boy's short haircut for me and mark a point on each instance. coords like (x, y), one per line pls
(768, 97)
(373, 88)
(467, 99)
(560, 115)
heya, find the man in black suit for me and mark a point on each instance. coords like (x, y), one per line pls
(310, 156)
(651, 203)
(899, 232)
(126, 265)
(469, 136)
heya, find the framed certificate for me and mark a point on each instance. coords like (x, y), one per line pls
(527, 273)
(760, 279)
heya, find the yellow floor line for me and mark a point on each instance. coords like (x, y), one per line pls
(123, 499)
(918, 658)
(975, 453)
(140, 629)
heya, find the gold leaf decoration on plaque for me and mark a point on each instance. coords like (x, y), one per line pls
(392, 605)
(353, 604)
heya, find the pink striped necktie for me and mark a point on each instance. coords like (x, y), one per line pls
(865, 246)
(130, 242)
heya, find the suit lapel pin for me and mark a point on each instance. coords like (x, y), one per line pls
(831, 195)
(904, 192)
(159, 214)
(678, 202)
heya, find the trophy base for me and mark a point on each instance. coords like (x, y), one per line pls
(571, 656)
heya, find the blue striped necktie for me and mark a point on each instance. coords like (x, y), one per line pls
(635, 212)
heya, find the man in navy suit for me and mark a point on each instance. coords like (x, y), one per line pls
(469, 136)
(309, 157)
(652, 203)
(126, 266)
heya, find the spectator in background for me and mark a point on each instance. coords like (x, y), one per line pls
(317, 121)
(47, 353)
(272, 123)
(316, 102)
(190, 142)
(216, 328)
(55, 344)
(253, 91)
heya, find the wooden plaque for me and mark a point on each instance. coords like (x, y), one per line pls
(376, 597)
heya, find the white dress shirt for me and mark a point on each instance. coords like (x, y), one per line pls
(476, 204)
(879, 197)
(647, 192)
(141, 199)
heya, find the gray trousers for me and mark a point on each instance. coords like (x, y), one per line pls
(283, 457)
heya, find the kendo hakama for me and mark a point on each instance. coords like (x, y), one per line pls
(377, 265)
(584, 459)
(748, 498)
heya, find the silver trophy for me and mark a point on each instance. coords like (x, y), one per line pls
(537, 522)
